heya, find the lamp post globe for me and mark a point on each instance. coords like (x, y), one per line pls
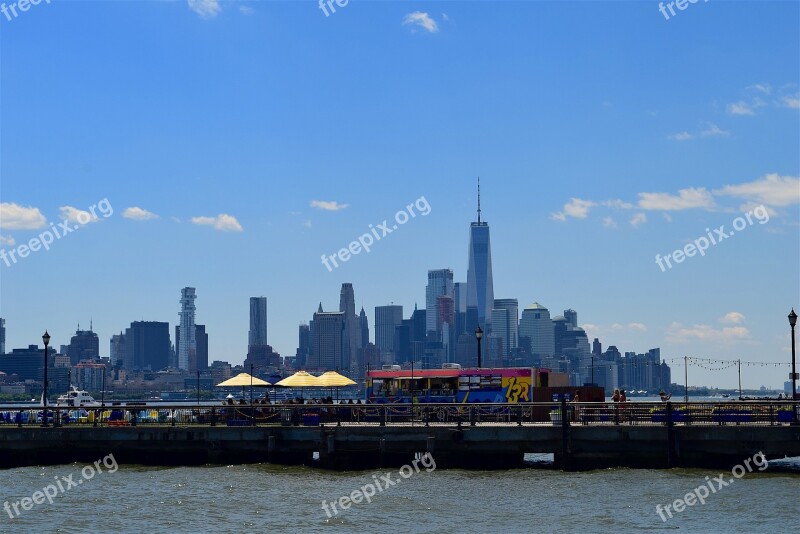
(478, 337)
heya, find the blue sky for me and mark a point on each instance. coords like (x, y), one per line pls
(603, 133)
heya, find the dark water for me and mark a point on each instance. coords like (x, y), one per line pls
(276, 498)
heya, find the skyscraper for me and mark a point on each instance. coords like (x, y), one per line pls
(303, 346)
(117, 349)
(505, 323)
(537, 328)
(572, 317)
(440, 282)
(258, 322)
(187, 348)
(201, 339)
(328, 348)
(363, 326)
(352, 343)
(147, 346)
(460, 308)
(387, 319)
(480, 286)
(84, 345)
(2, 336)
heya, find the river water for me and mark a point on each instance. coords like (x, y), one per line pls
(278, 498)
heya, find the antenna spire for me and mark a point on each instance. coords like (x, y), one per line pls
(479, 199)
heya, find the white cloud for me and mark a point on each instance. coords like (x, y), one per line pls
(246, 10)
(16, 217)
(576, 208)
(307, 224)
(591, 329)
(207, 9)
(770, 189)
(618, 204)
(693, 197)
(764, 88)
(328, 205)
(138, 214)
(222, 222)
(740, 108)
(732, 318)
(711, 130)
(791, 101)
(614, 328)
(76, 216)
(608, 222)
(681, 136)
(445, 17)
(638, 219)
(667, 216)
(751, 206)
(423, 20)
(678, 333)
(7, 240)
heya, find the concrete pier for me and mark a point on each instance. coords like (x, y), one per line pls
(346, 447)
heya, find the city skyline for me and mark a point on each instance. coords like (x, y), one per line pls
(595, 161)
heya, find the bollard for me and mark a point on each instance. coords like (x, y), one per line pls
(670, 434)
(172, 413)
(430, 444)
(382, 416)
(565, 434)
(471, 416)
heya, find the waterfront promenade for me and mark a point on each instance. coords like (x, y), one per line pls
(366, 436)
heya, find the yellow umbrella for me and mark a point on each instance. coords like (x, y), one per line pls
(301, 379)
(243, 379)
(332, 379)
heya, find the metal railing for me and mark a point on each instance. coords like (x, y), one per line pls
(550, 413)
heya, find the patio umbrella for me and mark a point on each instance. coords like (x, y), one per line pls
(332, 379)
(243, 379)
(301, 379)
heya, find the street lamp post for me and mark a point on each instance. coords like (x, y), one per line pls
(46, 339)
(479, 336)
(792, 322)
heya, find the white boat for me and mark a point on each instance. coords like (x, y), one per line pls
(76, 398)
